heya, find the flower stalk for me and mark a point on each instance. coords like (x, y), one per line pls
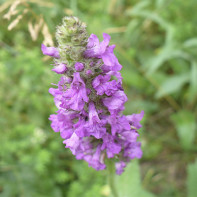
(111, 177)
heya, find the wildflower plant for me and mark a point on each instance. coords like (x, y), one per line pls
(90, 99)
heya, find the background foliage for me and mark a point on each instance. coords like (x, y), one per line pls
(156, 44)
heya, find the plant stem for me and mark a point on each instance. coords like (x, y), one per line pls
(111, 176)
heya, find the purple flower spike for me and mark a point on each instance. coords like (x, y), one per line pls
(60, 69)
(90, 99)
(50, 51)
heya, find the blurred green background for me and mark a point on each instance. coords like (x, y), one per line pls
(156, 42)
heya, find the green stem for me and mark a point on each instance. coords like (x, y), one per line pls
(111, 177)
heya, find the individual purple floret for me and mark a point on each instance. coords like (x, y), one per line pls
(90, 99)
(50, 51)
(76, 96)
(60, 69)
(103, 50)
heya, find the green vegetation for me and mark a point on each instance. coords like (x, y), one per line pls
(156, 42)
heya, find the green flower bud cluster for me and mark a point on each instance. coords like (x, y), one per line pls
(72, 39)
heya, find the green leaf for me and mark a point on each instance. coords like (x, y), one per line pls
(138, 7)
(133, 78)
(192, 42)
(172, 84)
(129, 183)
(192, 179)
(160, 3)
(168, 52)
(185, 125)
(146, 14)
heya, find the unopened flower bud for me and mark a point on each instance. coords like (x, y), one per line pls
(79, 66)
(88, 72)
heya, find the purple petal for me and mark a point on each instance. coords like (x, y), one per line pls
(60, 69)
(50, 51)
(110, 60)
(120, 167)
(95, 160)
(115, 102)
(96, 49)
(76, 96)
(55, 123)
(133, 150)
(72, 143)
(135, 119)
